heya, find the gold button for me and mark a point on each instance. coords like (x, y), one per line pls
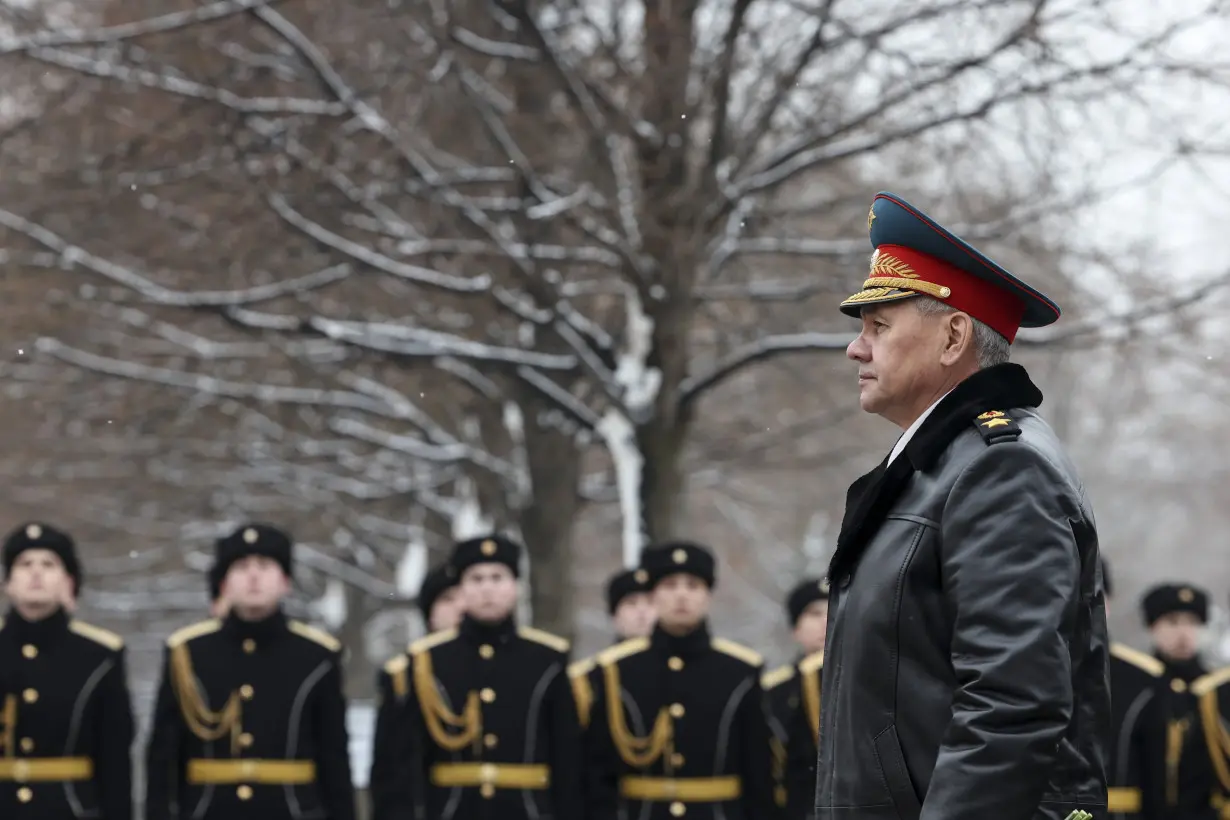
(486, 650)
(30, 695)
(1178, 685)
(490, 741)
(487, 790)
(678, 809)
(27, 744)
(245, 692)
(249, 646)
(30, 651)
(675, 663)
(245, 740)
(676, 760)
(244, 792)
(487, 695)
(677, 710)
(679, 556)
(24, 794)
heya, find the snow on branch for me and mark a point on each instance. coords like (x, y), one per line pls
(573, 407)
(619, 436)
(637, 381)
(692, 387)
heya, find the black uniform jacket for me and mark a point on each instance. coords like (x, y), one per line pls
(1133, 786)
(678, 727)
(966, 662)
(250, 722)
(793, 693)
(66, 725)
(488, 726)
(391, 796)
(1179, 776)
(1213, 703)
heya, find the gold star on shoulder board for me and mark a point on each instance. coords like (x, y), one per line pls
(996, 423)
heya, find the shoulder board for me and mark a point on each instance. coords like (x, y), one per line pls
(315, 635)
(581, 668)
(619, 651)
(995, 426)
(1139, 659)
(812, 663)
(735, 650)
(182, 636)
(397, 664)
(777, 677)
(545, 638)
(431, 641)
(97, 634)
(1211, 681)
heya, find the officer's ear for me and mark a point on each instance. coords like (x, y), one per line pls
(958, 340)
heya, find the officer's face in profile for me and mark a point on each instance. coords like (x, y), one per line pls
(905, 358)
(1176, 635)
(681, 601)
(446, 611)
(635, 615)
(810, 628)
(254, 586)
(489, 592)
(38, 584)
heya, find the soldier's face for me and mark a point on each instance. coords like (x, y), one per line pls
(681, 601)
(635, 615)
(902, 355)
(489, 592)
(255, 584)
(810, 628)
(38, 581)
(1176, 635)
(446, 611)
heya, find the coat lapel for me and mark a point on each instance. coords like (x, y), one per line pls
(871, 497)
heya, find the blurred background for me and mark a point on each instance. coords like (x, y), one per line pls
(393, 273)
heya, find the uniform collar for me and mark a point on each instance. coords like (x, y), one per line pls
(693, 643)
(37, 632)
(1186, 671)
(262, 631)
(483, 632)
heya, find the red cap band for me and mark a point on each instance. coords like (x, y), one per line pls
(995, 307)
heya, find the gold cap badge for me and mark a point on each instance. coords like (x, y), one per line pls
(34, 531)
(641, 576)
(1186, 595)
(824, 586)
(680, 556)
(250, 536)
(487, 548)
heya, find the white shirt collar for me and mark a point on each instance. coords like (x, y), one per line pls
(911, 430)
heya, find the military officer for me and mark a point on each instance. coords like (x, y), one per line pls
(493, 730)
(250, 719)
(66, 725)
(793, 693)
(440, 604)
(1134, 675)
(679, 725)
(1212, 693)
(630, 607)
(1175, 758)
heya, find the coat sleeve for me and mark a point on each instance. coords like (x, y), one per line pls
(113, 757)
(601, 759)
(567, 768)
(333, 746)
(1010, 570)
(164, 753)
(755, 762)
(391, 783)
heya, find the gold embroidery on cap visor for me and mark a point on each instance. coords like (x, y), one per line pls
(892, 279)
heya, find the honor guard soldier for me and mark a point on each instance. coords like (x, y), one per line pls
(793, 693)
(493, 731)
(1134, 677)
(630, 606)
(439, 601)
(1212, 692)
(66, 725)
(250, 720)
(678, 725)
(1175, 756)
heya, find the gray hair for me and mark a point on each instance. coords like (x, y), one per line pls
(990, 347)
